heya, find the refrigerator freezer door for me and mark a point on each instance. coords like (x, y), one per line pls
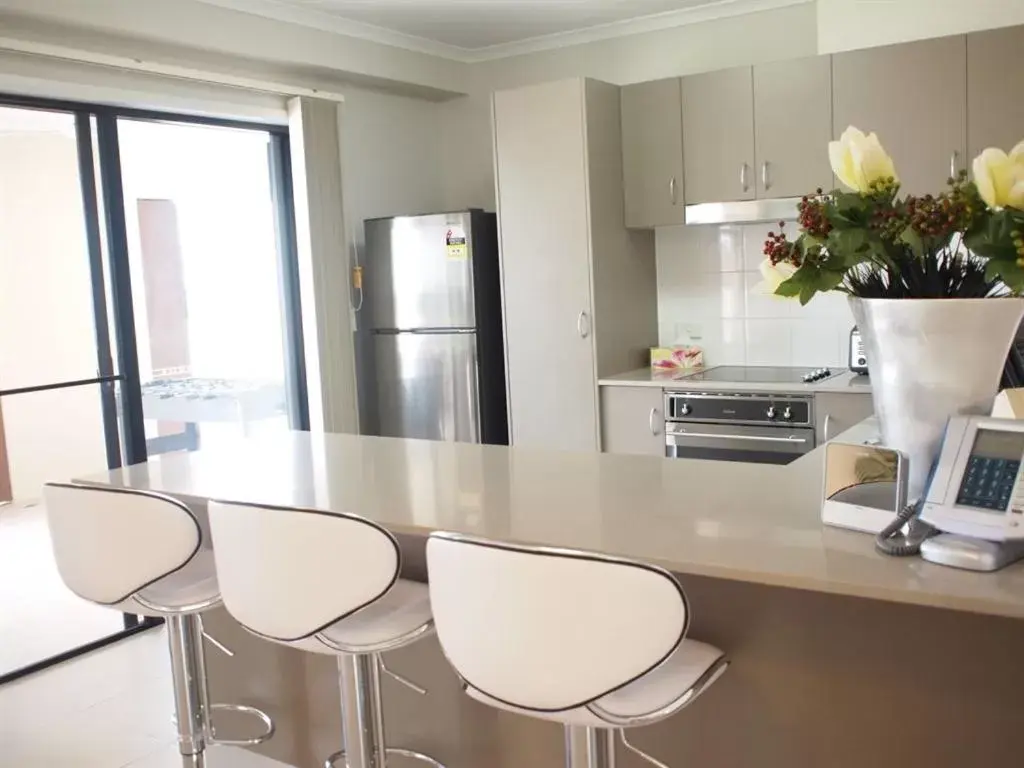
(427, 386)
(418, 272)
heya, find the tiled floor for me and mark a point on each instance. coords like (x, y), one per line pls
(39, 616)
(109, 709)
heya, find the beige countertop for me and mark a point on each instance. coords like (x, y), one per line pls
(748, 522)
(846, 382)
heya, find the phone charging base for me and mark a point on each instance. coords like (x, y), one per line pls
(971, 554)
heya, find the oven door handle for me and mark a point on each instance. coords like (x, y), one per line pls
(752, 438)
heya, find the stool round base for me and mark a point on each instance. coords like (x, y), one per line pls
(333, 760)
(263, 717)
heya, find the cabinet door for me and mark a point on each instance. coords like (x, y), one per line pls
(914, 96)
(835, 413)
(545, 258)
(652, 153)
(632, 420)
(793, 126)
(718, 136)
(995, 80)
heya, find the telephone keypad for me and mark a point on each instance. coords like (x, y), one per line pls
(988, 483)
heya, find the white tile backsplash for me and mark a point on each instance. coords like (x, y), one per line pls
(706, 281)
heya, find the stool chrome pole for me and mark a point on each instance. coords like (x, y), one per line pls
(589, 747)
(185, 640)
(362, 712)
(192, 708)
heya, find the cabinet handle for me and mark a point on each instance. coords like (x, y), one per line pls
(653, 421)
(672, 190)
(828, 423)
(743, 178)
(954, 164)
(583, 325)
(766, 182)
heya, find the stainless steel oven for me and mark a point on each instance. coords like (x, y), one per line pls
(761, 428)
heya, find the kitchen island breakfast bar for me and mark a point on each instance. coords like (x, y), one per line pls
(841, 657)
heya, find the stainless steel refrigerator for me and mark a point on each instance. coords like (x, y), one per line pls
(432, 361)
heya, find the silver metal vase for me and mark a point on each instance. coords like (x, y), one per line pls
(930, 359)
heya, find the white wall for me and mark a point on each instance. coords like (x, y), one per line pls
(197, 34)
(782, 33)
(707, 281)
(390, 159)
(845, 25)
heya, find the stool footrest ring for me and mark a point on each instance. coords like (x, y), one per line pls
(333, 760)
(263, 717)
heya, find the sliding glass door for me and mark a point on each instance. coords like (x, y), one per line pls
(148, 304)
(208, 290)
(57, 414)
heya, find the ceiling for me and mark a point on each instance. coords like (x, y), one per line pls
(476, 29)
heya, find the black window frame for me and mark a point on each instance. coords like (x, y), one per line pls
(96, 133)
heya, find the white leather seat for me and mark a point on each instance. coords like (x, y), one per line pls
(137, 552)
(195, 583)
(659, 694)
(319, 581)
(593, 642)
(144, 553)
(326, 583)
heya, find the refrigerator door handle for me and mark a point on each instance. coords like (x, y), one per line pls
(421, 331)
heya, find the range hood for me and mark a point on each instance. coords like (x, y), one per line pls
(743, 211)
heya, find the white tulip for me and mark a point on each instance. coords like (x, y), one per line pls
(1000, 177)
(858, 160)
(772, 276)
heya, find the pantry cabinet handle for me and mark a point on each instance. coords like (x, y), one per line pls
(954, 164)
(672, 190)
(743, 178)
(828, 423)
(765, 181)
(653, 420)
(583, 325)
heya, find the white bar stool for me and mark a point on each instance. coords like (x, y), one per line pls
(143, 553)
(595, 643)
(327, 583)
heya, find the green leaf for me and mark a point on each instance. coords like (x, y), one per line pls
(807, 292)
(829, 279)
(788, 288)
(809, 245)
(849, 209)
(912, 240)
(1008, 271)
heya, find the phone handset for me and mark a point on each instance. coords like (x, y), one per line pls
(893, 540)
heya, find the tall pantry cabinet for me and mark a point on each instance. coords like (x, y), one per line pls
(579, 289)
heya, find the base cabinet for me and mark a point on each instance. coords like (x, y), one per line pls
(834, 413)
(632, 420)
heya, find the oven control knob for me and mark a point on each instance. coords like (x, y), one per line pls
(684, 409)
(771, 413)
(787, 414)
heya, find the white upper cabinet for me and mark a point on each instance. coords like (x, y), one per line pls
(718, 136)
(758, 132)
(914, 96)
(995, 82)
(793, 125)
(652, 153)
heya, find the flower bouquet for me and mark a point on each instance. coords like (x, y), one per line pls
(923, 274)
(965, 242)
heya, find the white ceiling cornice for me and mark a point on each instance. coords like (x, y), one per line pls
(312, 17)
